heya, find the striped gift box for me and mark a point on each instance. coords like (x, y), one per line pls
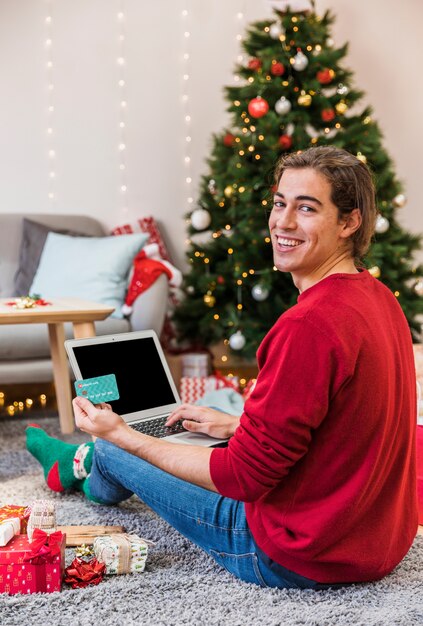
(192, 388)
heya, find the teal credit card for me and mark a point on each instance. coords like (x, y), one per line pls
(98, 389)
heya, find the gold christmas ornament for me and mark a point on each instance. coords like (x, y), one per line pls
(341, 107)
(375, 271)
(304, 100)
(399, 200)
(228, 191)
(209, 300)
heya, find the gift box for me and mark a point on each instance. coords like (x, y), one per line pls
(8, 529)
(14, 510)
(42, 515)
(121, 553)
(30, 567)
(192, 388)
(195, 364)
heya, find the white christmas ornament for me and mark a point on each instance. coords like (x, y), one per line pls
(418, 287)
(300, 61)
(342, 89)
(382, 224)
(400, 200)
(259, 292)
(276, 30)
(200, 219)
(282, 106)
(237, 340)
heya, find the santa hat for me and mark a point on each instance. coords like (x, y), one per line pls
(148, 266)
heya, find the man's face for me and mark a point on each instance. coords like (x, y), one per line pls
(307, 236)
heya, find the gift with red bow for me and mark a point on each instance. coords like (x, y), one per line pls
(36, 566)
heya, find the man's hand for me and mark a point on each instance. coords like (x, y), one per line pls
(97, 419)
(201, 419)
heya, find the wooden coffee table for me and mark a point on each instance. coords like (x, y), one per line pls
(82, 314)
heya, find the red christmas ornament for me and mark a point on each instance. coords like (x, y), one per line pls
(221, 280)
(285, 142)
(277, 69)
(254, 64)
(328, 115)
(273, 188)
(228, 140)
(257, 107)
(325, 76)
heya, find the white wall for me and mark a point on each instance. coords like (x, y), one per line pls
(385, 56)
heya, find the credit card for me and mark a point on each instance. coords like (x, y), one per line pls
(98, 389)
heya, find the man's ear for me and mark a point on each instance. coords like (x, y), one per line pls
(352, 222)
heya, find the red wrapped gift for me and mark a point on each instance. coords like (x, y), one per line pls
(31, 567)
(192, 388)
(15, 510)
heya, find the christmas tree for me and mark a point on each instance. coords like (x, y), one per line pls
(294, 92)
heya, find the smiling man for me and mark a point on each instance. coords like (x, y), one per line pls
(317, 486)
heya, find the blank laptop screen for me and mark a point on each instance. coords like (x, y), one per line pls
(141, 379)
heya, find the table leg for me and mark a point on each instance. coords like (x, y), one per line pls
(61, 377)
(81, 330)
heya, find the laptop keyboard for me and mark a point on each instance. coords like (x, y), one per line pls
(157, 427)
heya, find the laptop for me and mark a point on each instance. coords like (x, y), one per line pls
(147, 391)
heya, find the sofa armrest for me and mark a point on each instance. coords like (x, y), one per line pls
(149, 308)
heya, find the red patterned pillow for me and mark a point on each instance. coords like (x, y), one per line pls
(145, 225)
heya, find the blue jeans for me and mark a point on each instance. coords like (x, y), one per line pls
(216, 524)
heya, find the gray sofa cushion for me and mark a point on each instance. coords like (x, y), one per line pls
(33, 239)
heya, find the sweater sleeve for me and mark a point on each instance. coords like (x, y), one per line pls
(300, 370)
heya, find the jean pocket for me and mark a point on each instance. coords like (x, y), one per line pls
(243, 566)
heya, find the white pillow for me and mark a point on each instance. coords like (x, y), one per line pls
(90, 268)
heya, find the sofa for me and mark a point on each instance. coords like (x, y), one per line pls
(24, 349)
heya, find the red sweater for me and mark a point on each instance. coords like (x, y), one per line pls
(324, 456)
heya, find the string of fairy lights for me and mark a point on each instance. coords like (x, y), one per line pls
(122, 107)
(51, 148)
(186, 103)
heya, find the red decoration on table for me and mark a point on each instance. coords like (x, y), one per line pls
(328, 115)
(285, 142)
(257, 107)
(277, 69)
(82, 573)
(22, 571)
(27, 302)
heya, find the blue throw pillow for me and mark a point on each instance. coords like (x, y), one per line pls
(90, 268)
